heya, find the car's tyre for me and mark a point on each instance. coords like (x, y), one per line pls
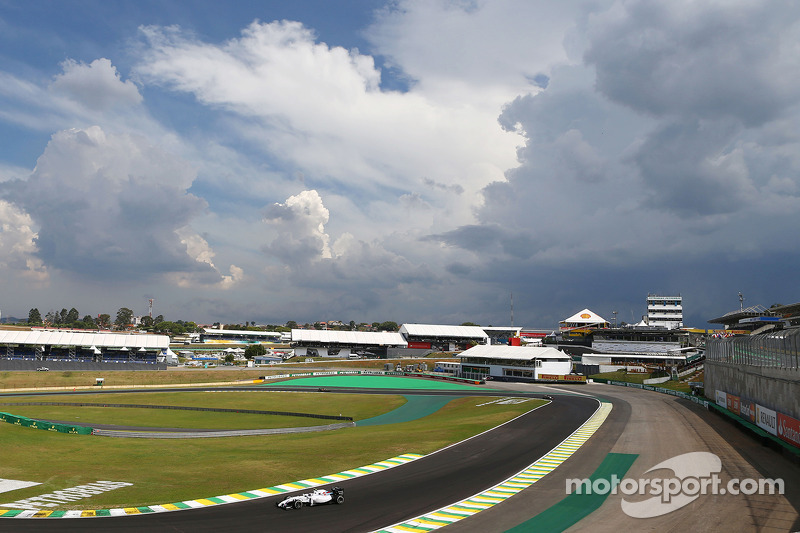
(297, 504)
(339, 498)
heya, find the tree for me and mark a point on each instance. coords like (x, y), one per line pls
(147, 322)
(388, 326)
(87, 323)
(34, 317)
(104, 320)
(229, 358)
(291, 324)
(470, 324)
(254, 350)
(159, 318)
(124, 318)
(72, 316)
(62, 317)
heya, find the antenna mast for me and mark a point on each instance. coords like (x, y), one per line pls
(150, 308)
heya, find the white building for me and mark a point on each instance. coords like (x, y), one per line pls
(514, 362)
(343, 344)
(665, 311)
(442, 337)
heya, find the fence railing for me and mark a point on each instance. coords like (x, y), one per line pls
(779, 349)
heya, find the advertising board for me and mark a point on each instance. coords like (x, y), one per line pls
(733, 404)
(789, 429)
(747, 410)
(767, 419)
(722, 399)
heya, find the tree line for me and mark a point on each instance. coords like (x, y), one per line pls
(123, 321)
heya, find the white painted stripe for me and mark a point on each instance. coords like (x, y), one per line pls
(7, 485)
(194, 504)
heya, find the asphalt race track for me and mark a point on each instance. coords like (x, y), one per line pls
(377, 500)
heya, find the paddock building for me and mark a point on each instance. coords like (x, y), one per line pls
(442, 338)
(515, 363)
(344, 344)
(228, 336)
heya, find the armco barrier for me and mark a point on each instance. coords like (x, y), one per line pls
(695, 399)
(48, 426)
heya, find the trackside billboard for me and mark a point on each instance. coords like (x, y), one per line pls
(782, 426)
(722, 399)
(789, 429)
(747, 410)
(767, 419)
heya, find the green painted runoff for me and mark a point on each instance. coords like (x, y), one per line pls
(374, 382)
(415, 408)
(575, 507)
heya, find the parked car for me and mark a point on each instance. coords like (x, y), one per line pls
(42, 369)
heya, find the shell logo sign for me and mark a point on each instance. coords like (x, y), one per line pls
(586, 315)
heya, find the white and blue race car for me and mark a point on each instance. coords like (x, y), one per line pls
(317, 497)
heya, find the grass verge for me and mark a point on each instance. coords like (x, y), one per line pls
(164, 471)
(354, 405)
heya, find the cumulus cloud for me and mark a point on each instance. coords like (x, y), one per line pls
(337, 275)
(320, 110)
(301, 229)
(96, 85)
(111, 207)
(17, 248)
(481, 52)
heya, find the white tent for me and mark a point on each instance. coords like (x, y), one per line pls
(584, 318)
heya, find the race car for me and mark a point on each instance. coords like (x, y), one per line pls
(317, 497)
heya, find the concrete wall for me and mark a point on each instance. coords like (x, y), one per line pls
(773, 387)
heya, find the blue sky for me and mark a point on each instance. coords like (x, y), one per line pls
(414, 161)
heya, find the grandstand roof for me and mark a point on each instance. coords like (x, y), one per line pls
(449, 332)
(734, 317)
(215, 331)
(71, 338)
(503, 352)
(787, 310)
(383, 338)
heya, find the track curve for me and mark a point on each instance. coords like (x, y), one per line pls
(377, 500)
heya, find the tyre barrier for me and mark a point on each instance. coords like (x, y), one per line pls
(47, 426)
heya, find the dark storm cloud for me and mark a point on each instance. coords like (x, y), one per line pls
(690, 168)
(644, 169)
(486, 239)
(709, 60)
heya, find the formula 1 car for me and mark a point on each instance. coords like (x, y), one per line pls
(318, 497)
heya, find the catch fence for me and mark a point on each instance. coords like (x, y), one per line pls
(779, 349)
